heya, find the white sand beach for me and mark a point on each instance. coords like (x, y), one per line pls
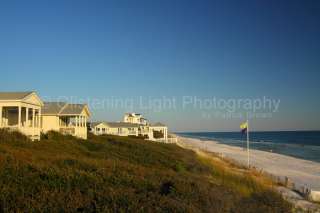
(301, 172)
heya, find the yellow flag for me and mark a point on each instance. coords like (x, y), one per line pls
(244, 125)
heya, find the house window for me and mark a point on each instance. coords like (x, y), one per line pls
(103, 129)
(98, 129)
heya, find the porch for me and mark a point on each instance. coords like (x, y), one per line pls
(21, 117)
(73, 125)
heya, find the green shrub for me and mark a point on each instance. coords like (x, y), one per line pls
(119, 174)
(12, 136)
(179, 167)
(54, 135)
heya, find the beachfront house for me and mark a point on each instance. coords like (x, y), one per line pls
(134, 125)
(115, 128)
(155, 132)
(65, 118)
(21, 111)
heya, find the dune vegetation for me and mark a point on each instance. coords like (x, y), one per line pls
(121, 174)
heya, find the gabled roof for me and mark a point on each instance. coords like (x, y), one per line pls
(14, 95)
(94, 124)
(62, 108)
(122, 125)
(158, 124)
(72, 109)
(26, 97)
(52, 108)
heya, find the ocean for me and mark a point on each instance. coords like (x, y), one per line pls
(299, 144)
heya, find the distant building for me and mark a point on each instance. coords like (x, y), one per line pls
(65, 118)
(115, 128)
(21, 111)
(134, 118)
(134, 124)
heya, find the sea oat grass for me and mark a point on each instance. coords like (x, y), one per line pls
(110, 173)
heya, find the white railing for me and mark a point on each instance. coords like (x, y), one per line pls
(132, 133)
(67, 130)
(172, 140)
(168, 140)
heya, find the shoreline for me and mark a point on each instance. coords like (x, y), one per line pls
(302, 174)
(310, 151)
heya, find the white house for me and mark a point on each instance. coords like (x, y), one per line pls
(21, 111)
(65, 118)
(135, 118)
(155, 132)
(134, 124)
(115, 128)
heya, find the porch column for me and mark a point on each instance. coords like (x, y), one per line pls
(19, 116)
(27, 117)
(1, 116)
(85, 121)
(39, 118)
(82, 121)
(35, 118)
(167, 135)
(33, 115)
(76, 121)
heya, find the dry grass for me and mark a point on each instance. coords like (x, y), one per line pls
(109, 173)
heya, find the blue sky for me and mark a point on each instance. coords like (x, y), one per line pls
(122, 50)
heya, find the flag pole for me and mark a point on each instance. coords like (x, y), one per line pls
(248, 146)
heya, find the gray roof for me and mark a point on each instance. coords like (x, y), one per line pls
(52, 107)
(116, 124)
(158, 124)
(62, 108)
(13, 95)
(72, 109)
